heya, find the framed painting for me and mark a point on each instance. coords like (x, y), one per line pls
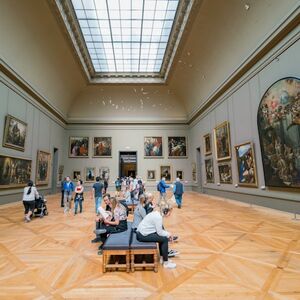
(78, 146)
(76, 175)
(207, 144)
(104, 173)
(225, 172)
(89, 174)
(278, 122)
(14, 172)
(165, 171)
(246, 164)
(194, 172)
(151, 175)
(177, 147)
(153, 147)
(209, 170)
(102, 147)
(14, 133)
(222, 141)
(179, 174)
(43, 163)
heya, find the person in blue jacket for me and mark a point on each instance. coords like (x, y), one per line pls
(162, 187)
(178, 191)
(68, 190)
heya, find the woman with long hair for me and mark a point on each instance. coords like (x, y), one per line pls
(29, 196)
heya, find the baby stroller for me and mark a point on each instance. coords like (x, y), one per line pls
(40, 209)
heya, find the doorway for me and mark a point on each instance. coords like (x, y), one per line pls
(54, 171)
(199, 172)
(128, 163)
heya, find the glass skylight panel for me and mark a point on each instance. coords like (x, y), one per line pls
(126, 35)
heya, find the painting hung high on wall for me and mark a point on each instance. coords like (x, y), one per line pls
(102, 147)
(246, 164)
(179, 174)
(104, 173)
(153, 147)
(89, 174)
(207, 144)
(43, 168)
(278, 122)
(14, 133)
(225, 172)
(209, 170)
(79, 146)
(14, 172)
(177, 147)
(151, 175)
(222, 141)
(165, 171)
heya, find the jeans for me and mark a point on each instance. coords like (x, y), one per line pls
(98, 201)
(76, 205)
(178, 199)
(67, 201)
(162, 197)
(161, 240)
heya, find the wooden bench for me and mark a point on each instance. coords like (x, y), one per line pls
(116, 251)
(143, 249)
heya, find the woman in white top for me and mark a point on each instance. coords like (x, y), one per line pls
(151, 230)
(29, 196)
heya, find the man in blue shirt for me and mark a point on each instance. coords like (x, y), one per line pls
(68, 187)
(162, 189)
(97, 193)
(178, 191)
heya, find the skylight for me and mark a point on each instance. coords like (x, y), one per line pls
(127, 36)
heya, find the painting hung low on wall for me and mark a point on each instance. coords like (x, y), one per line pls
(209, 170)
(14, 172)
(151, 175)
(76, 175)
(222, 141)
(104, 173)
(179, 174)
(89, 174)
(14, 133)
(177, 147)
(153, 147)
(278, 122)
(225, 172)
(207, 144)
(246, 164)
(165, 171)
(79, 147)
(194, 172)
(43, 168)
(102, 147)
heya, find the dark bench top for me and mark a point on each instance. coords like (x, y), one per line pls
(135, 244)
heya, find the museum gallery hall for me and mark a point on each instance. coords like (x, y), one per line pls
(150, 149)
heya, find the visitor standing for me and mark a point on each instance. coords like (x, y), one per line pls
(97, 193)
(178, 191)
(68, 190)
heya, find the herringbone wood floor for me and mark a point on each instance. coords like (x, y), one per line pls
(228, 251)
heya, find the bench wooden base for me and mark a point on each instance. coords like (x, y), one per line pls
(144, 264)
(106, 255)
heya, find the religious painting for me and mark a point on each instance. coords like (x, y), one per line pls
(165, 171)
(77, 175)
(207, 144)
(177, 147)
(246, 164)
(209, 170)
(153, 147)
(43, 168)
(179, 174)
(278, 121)
(14, 172)
(194, 172)
(104, 173)
(222, 141)
(151, 175)
(79, 147)
(225, 172)
(89, 175)
(102, 147)
(14, 133)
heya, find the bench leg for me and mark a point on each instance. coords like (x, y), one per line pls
(104, 262)
(155, 260)
(132, 262)
(127, 262)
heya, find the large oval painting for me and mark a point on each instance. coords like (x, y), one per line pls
(278, 123)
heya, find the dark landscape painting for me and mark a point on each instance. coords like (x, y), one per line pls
(278, 123)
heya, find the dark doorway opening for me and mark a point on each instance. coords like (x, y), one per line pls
(54, 171)
(128, 164)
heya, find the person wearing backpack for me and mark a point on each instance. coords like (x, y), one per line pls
(162, 187)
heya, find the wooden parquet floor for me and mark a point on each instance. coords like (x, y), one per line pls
(227, 251)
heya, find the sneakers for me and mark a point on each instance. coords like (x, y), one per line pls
(161, 260)
(173, 253)
(169, 265)
(27, 219)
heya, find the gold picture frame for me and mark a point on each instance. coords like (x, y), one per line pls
(165, 171)
(207, 144)
(102, 146)
(153, 147)
(43, 163)
(222, 141)
(78, 147)
(179, 174)
(89, 174)
(151, 175)
(177, 147)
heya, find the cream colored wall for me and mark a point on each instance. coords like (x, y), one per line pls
(131, 103)
(33, 45)
(222, 36)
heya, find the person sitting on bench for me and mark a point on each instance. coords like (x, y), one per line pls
(139, 212)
